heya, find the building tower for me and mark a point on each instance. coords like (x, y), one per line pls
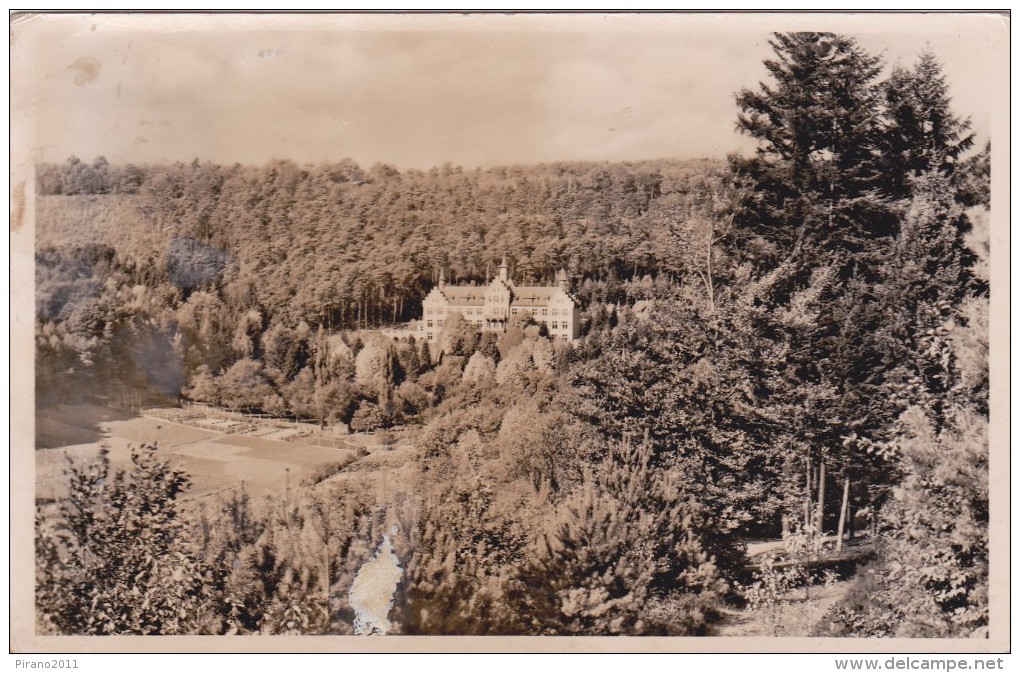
(561, 279)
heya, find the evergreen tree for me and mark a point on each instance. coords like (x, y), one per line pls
(921, 133)
(816, 176)
(974, 178)
(629, 540)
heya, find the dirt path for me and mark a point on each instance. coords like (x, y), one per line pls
(796, 617)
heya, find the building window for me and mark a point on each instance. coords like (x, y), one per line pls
(545, 311)
(430, 323)
(432, 337)
(439, 323)
(565, 337)
(555, 325)
(513, 311)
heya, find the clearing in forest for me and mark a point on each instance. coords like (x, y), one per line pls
(216, 460)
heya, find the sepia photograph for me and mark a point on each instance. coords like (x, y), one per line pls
(673, 332)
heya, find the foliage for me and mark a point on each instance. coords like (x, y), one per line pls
(820, 304)
(974, 179)
(940, 516)
(852, 227)
(117, 560)
(628, 536)
(867, 609)
(327, 470)
(286, 565)
(464, 550)
(479, 368)
(373, 367)
(245, 386)
(707, 385)
(374, 244)
(933, 577)
(771, 588)
(816, 177)
(922, 135)
(367, 417)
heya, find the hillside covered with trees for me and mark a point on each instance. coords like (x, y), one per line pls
(810, 354)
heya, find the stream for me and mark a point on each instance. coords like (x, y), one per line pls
(371, 594)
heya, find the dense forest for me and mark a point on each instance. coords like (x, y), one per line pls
(810, 352)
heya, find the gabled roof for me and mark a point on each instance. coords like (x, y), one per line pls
(531, 295)
(522, 296)
(464, 295)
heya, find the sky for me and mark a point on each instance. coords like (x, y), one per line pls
(420, 90)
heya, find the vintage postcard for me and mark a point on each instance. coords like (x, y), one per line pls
(645, 332)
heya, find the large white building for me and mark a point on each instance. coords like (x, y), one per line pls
(491, 307)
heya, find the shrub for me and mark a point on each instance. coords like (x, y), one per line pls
(324, 472)
(367, 418)
(771, 589)
(117, 559)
